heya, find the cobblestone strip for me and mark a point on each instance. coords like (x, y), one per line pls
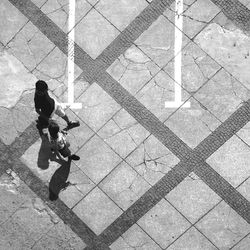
(66, 214)
(195, 163)
(236, 12)
(146, 122)
(126, 38)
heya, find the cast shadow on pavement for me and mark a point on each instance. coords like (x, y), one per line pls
(59, 179)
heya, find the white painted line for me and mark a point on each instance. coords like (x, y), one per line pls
(71, 57)
(178, 58)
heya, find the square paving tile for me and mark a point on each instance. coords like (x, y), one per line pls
(232, 161)
(222, 95)
(243, 244)
(26, 46)
(59, 237)
(124, 185)
(97, 159)
(98, 107)
(97, 210)
(152, 160)
(54, 67)
(192, 240)
(244, 189)
(123, 133)
(160, 48)
(12, 18)
(193, 198)
(133, 69)
(58, 11)
(234, 46)
(197, 68)
(163, 223)
(121, 13)
(12, 236)
(195, 17)
(192, 124)
(134, 238)
(157, 92)
(244, 133)
(223, 226)
(94, 33)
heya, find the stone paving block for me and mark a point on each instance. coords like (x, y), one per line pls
(232, 161)
(135, 238)
(17, 110)
(13, 194)
(26, 46)
(158, 91)
(94, 33)
(222, 95)
(133, 69)
(39, 3)
(152, 160)
(13, 237)
(243, 245)
(223, 226)
(244, 133)
(59, 237)
(10, 17)
(158, 41)
(98, 107)
(246, 3)
(54, 67)
(163, 223)
(193, 198)
(33, 218)
(192, 240)
(192, 124)
(97, 159)
(197, 68)
(244, 189)
(97, 210)
(121, 13)
(234, 46)
(123, 133)
(195, 16)
(124, 185)
(58, 11)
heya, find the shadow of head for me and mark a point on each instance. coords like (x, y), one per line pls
(58, 180)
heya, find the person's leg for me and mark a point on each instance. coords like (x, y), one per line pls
(61, 113)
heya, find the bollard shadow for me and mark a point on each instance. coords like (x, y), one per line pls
(59, 179)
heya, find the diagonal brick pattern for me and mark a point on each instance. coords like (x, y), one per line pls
(191, 160)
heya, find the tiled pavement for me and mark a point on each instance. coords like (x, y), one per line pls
(149, 177)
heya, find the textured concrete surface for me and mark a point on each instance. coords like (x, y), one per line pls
(149, 177)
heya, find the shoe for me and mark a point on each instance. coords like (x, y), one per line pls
(74, 157)
(73, 124)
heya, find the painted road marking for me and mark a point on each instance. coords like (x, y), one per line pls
(71, 57)
(178, 58)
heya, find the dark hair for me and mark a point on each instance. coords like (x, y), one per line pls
(41, 85)
(53, 129)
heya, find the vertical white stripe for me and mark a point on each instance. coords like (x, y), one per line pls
(71, 56)
(178, 58)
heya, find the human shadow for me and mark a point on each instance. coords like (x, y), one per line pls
(59, 179)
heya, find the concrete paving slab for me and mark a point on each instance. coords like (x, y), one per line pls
(164, 223)
(97, 210)
(135, 237)
(125, 68)
(223, 226)
(193, 198)
(124, 185)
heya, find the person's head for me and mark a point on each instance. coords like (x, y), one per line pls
(41, 87)
(53, 129)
